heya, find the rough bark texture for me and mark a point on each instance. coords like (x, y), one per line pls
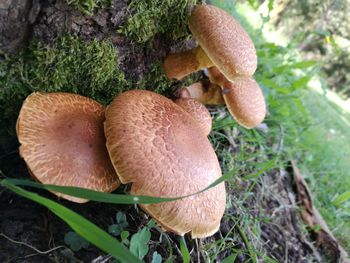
(21, 21)
(16, 18)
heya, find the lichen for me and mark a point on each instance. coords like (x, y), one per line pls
(151, 17)
(69, 65)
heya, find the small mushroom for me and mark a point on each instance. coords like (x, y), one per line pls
(222, 43)
(159, 147)
(62, 141)
(243, 96)
(203, 91)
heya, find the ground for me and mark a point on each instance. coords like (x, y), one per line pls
(262, 216)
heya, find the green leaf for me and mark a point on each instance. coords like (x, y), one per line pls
(270, 6)
(139, 242)
(115, 229)
(121, 219)
(342, 198)
(111, 198)
(302, 82)
(121, 224)
(268, 165)
(124, 236)
(186, 257)
(156, 258)
(297, 65)
(75, 241)
(304, 64)
(271, 84)
(230, 259)
(254, 4)
(79, 224)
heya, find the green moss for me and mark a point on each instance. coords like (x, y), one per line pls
(70, 65)
(156, 81)
(88, 6)
(151, 17)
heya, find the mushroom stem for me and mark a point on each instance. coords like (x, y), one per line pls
(204, 91)
(243, 96)
(179, 65)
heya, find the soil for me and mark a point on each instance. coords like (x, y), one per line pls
(24, 221)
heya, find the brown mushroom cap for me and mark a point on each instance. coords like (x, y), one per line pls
(157, 146)
(62, 142)
(243, 96)
(198, 111)
(245, 101)
(224, 41)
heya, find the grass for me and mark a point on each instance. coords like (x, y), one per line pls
(316, 128)
(326, 162)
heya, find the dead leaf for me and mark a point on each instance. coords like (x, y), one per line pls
(313, 219)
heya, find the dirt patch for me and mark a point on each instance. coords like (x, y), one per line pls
(290, 243)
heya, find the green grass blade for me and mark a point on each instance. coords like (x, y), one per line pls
(80, 225)
(230, 259)
(186, 257)
(270, 164)
(342, 198)
(107, 197)
(249, 247)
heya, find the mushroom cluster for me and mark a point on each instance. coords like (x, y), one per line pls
(143, 138)
(229, 53)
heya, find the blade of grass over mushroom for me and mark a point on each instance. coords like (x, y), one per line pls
(111, 198)
(79, 224)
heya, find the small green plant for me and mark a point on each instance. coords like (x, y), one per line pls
(75, 241)
(139, 242)
(121, 224)
(124, 235)
(156, 258)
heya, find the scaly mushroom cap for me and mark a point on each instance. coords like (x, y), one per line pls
(158, 146)
(62, 142)
(198, 111)
(245, 101)
(243, 96)
(224, 41)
